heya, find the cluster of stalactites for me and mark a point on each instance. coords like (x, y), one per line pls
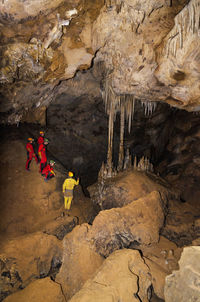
(125, 105)
(186, 22)
(149, 107)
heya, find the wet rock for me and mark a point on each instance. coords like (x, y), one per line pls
(184, 285)
(79, 262)
(25, 259)
(123, 276)
(38, 291)
(139, 222)
(125, 188)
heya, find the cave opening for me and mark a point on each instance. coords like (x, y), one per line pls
(106, 207)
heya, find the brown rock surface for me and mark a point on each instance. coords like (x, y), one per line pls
(28, 202)
(161, 258)
(182, 223)
(150, 61)
(184, 285)
(79, 261)
(139, 222)
(61, 226)
(38, 291)
(127, 187)
(44, 43)
(26, 258)
(123, 276)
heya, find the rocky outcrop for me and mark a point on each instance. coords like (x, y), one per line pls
(151, 72)
(39, 291)
(183, 285)
(134, 225)
(79, 261)
(123, 276)
(26, 258)
(44, 43)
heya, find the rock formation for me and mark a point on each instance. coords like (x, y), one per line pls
(25, 259)
(123, 276)
(183, 285)
(40, 290)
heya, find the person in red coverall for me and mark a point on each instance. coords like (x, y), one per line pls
(42, 154)
(48, 171)
(30, 153)
(41, 138)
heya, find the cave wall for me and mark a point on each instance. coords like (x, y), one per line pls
(149, 50)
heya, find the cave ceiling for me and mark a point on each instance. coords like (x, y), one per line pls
(148, 49)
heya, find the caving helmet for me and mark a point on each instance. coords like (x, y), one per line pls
(70, 174)
(30, 139)
(52, 162)
(46, 140)
(41, 132)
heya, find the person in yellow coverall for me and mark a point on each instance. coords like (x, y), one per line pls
(68, 187)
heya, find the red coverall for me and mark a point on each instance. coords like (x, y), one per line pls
(30, 155)
(42, 156)
(40, 140)
(48, 172)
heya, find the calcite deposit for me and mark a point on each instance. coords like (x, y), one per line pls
(149, 50)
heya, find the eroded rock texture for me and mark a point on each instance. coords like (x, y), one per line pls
(123, 276)
(79, 262)
(127, 187)
(27, 258)
(149, 50)
(183, 285)
(38, 291)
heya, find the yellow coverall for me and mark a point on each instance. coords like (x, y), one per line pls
(68, 187)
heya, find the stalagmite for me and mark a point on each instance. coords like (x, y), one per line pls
(127, 160)
(144, 165)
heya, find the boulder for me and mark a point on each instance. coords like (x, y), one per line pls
(79, 261)
(139, 222)
(39, 291)
(122, 277)
(26, 258)
(184, 285)
(125, 188)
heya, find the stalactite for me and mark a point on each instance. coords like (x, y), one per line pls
(110, 140)
(121, 145)
(149, 107)
(186, 22)
(129, 109)
(113, 104)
